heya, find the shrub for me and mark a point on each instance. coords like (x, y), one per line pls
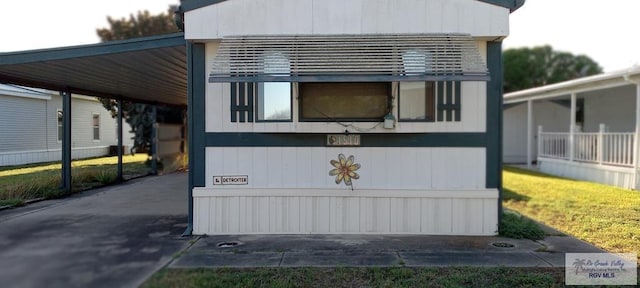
(515, 226)
(106, 177)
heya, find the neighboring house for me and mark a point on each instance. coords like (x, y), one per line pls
(31, 126)
(345, 116)
(585, 128)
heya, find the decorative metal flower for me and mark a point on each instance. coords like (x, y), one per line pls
(344, 170)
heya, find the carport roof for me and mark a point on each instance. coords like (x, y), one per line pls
(147, 69)
(581, 85)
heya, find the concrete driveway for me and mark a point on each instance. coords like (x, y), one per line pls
(110, 237)
(119, 236)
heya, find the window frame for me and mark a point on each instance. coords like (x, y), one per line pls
(59, 125)
(434, 97)
(94, 127)
(389, 104)
(257, 104)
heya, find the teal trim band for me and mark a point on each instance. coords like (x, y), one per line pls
(241, 105)
(188, 5)
(242, 101)
(494, 115)
(494, 120)
(199, 113)
(237, 139)
(458, 100)
(196, 122)
(447, 92)
(449, 107)
(440, 96)
(234, 102)
(347, 78)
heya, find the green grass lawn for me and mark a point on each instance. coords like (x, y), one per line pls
(605, 216)
(33, 181)
(359, 277)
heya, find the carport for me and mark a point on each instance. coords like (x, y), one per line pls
(150, 70)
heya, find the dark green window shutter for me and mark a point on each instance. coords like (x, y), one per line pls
(448, 94)
(242, 95)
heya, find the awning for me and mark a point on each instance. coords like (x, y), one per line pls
(148, 70)
(346, 58)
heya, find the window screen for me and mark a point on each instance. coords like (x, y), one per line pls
(344, 101)
(274, 101)
(417, 101)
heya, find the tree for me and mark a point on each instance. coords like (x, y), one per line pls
(140, 116)
(143, 24)
(533, 67)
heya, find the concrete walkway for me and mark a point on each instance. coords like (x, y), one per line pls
(119, 236)
(377, 251)
(111, 237)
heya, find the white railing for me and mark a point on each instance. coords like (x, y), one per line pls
(618, 149)
(553, 145)
(586, 147)
(600, 148)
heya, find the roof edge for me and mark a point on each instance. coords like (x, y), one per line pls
(523, 95)
(24, 92)
(134, 44)
(188, 5)
(513, 5)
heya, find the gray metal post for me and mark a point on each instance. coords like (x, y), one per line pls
(529, 133)
(154, 141)
(120, 141)
(66, 141)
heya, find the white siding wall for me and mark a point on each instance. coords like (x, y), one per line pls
(309, 17)
(30, 133)
(381, 168)
(21, 123)
(612, 107)
(445, 213)
(51, 155)
(553, 118)
(400, 191)
(514, 141)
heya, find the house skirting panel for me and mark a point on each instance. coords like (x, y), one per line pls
(40, 156)
(514, 159)
(325, 211)
(623, 177)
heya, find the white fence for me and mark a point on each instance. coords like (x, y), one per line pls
(600, 148)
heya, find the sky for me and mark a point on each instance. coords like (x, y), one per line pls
(607, 31)
(36, 24)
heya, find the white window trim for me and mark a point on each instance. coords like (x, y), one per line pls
(58, 125)
(93, 114)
